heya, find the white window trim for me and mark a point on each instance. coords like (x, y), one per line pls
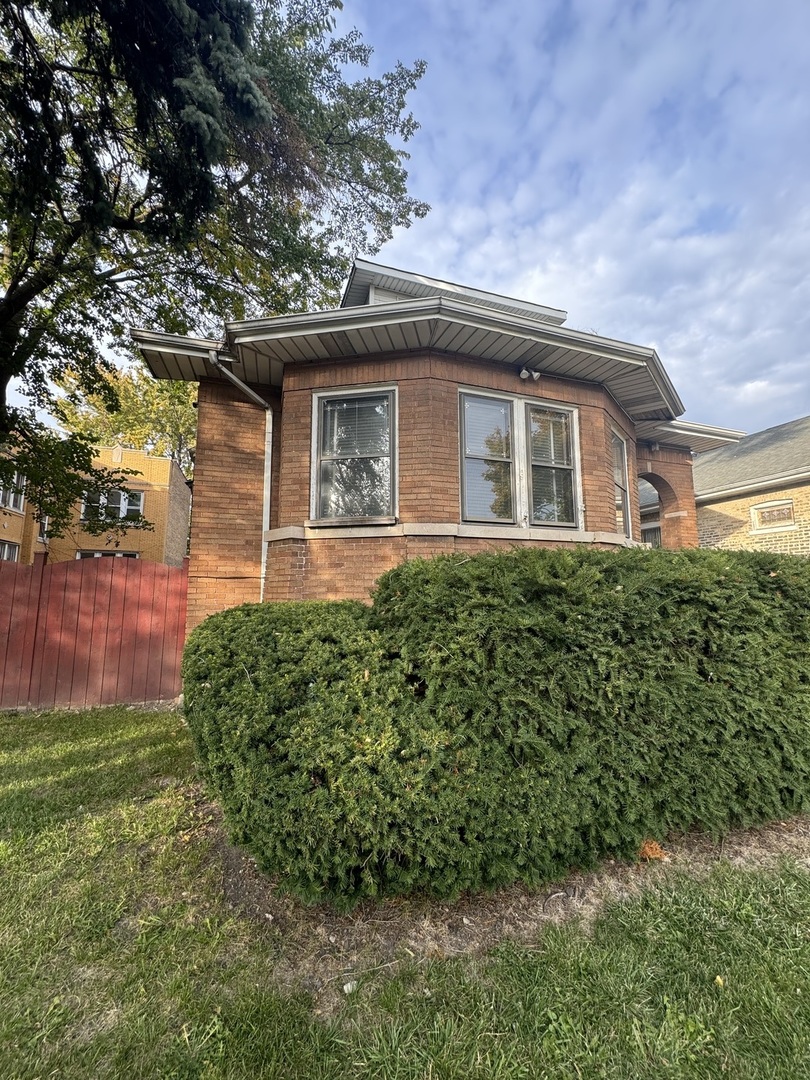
(521, 481)
(365, 390)
(86, 553)
(628, 514)
(772, 505)
(7, 494)
(7, 546)
(123, 507)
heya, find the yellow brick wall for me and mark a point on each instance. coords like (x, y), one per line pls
(728, 524)
(166, 502)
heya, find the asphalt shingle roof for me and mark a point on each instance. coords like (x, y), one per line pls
(766, 455)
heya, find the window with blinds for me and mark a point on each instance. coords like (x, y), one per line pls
(355, 444)
(552, 466)
(498, 436)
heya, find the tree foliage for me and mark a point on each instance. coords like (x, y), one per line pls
(153, 415)
(171, 163)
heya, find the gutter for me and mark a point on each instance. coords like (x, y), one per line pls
(257, 399)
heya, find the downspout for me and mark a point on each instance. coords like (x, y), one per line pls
(257, 399)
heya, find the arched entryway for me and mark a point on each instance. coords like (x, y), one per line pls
(668, 519)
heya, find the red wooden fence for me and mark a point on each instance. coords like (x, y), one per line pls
(90, 632)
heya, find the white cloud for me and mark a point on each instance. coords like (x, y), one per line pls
(645, 166)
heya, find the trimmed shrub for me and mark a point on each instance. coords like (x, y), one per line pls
(505, 717)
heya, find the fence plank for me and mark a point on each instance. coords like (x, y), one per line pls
(99, 630)
(8, 575)
(50, 630)
(176, 598)
(68, 644)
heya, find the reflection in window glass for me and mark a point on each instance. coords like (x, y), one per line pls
(488, 480)
(552, 469)
(354, 473)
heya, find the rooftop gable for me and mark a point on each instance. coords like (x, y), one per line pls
(371, 283)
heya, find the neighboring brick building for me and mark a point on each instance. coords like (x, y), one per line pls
(756, 494)
(159, 493)
(419, 418)
(20, 534)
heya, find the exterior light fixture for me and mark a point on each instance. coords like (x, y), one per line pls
(525, 373)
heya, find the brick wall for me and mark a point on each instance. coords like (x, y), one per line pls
(226, 521)
(669, 470)
(427, 386)
(166, 500)
(226, 546)
(728, 524)
(327, 568)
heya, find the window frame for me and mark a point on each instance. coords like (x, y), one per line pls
(616, 437)
(123, 507)
(521, 459)
(319, 398)
(9, 497)
(7, 546)
(86, 553)
(773, 504)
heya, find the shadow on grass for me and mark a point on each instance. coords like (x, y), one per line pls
(61, 765)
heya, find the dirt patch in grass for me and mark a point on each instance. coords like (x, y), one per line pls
(328, 954)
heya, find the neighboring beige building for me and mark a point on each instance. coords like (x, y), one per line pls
(756, 495)
(20, 534)
(160, 493)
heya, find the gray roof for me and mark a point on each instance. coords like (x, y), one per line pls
(766, 459)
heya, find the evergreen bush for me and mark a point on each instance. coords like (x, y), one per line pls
(506, 716)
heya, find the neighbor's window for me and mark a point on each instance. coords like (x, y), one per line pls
(620, 493)
(9, 552)
(354, 470)
(106, 554)
(116, 504)
(11, 496)
(772, 515)
(517, 462)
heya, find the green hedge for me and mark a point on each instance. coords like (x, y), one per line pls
(505, 717)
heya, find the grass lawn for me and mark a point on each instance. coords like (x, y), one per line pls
(121, 955)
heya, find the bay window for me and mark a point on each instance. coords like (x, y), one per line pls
(518, 462)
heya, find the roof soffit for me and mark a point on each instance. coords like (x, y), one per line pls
(261, 348)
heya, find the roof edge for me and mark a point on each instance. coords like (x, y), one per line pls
(763, 483)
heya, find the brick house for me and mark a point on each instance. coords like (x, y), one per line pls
(756, 494)
(158, 492)
(418, 418)
(21, 536)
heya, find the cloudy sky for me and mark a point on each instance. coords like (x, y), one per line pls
(642, 164)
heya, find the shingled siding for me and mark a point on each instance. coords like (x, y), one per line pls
(729, 524)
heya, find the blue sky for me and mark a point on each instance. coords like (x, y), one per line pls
(642, 164)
